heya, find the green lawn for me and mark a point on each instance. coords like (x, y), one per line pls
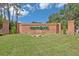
(26, 45)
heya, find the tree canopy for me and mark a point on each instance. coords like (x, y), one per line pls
(69, 12)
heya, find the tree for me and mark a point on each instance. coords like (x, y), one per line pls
(5, 12)
(69, 12)
(72, 12)
(54, 18)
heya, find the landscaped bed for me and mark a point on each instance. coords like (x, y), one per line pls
(25, 45)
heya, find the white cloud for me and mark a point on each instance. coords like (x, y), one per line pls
(36, 6)
(29, 6)
(60, 5)
(43, 5)
(19, 21)
(24, 12)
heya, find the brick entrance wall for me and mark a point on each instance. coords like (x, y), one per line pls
(26, 28)
(71, 27)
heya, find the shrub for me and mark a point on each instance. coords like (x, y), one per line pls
(13, 29)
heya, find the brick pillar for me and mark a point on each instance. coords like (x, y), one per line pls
(71, 27)
(5, 28)
(59, 28)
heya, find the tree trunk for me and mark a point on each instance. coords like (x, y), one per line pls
(16, 20)
(8, 12)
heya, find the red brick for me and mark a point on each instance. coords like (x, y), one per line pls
(71, 27)
(25, 28)
(5, 28)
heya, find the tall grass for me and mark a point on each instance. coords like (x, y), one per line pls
(26, 45)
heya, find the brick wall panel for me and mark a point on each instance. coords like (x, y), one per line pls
(25, 28)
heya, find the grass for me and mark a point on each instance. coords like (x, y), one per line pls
(49, 45)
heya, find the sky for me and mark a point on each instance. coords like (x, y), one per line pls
(38, 12)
